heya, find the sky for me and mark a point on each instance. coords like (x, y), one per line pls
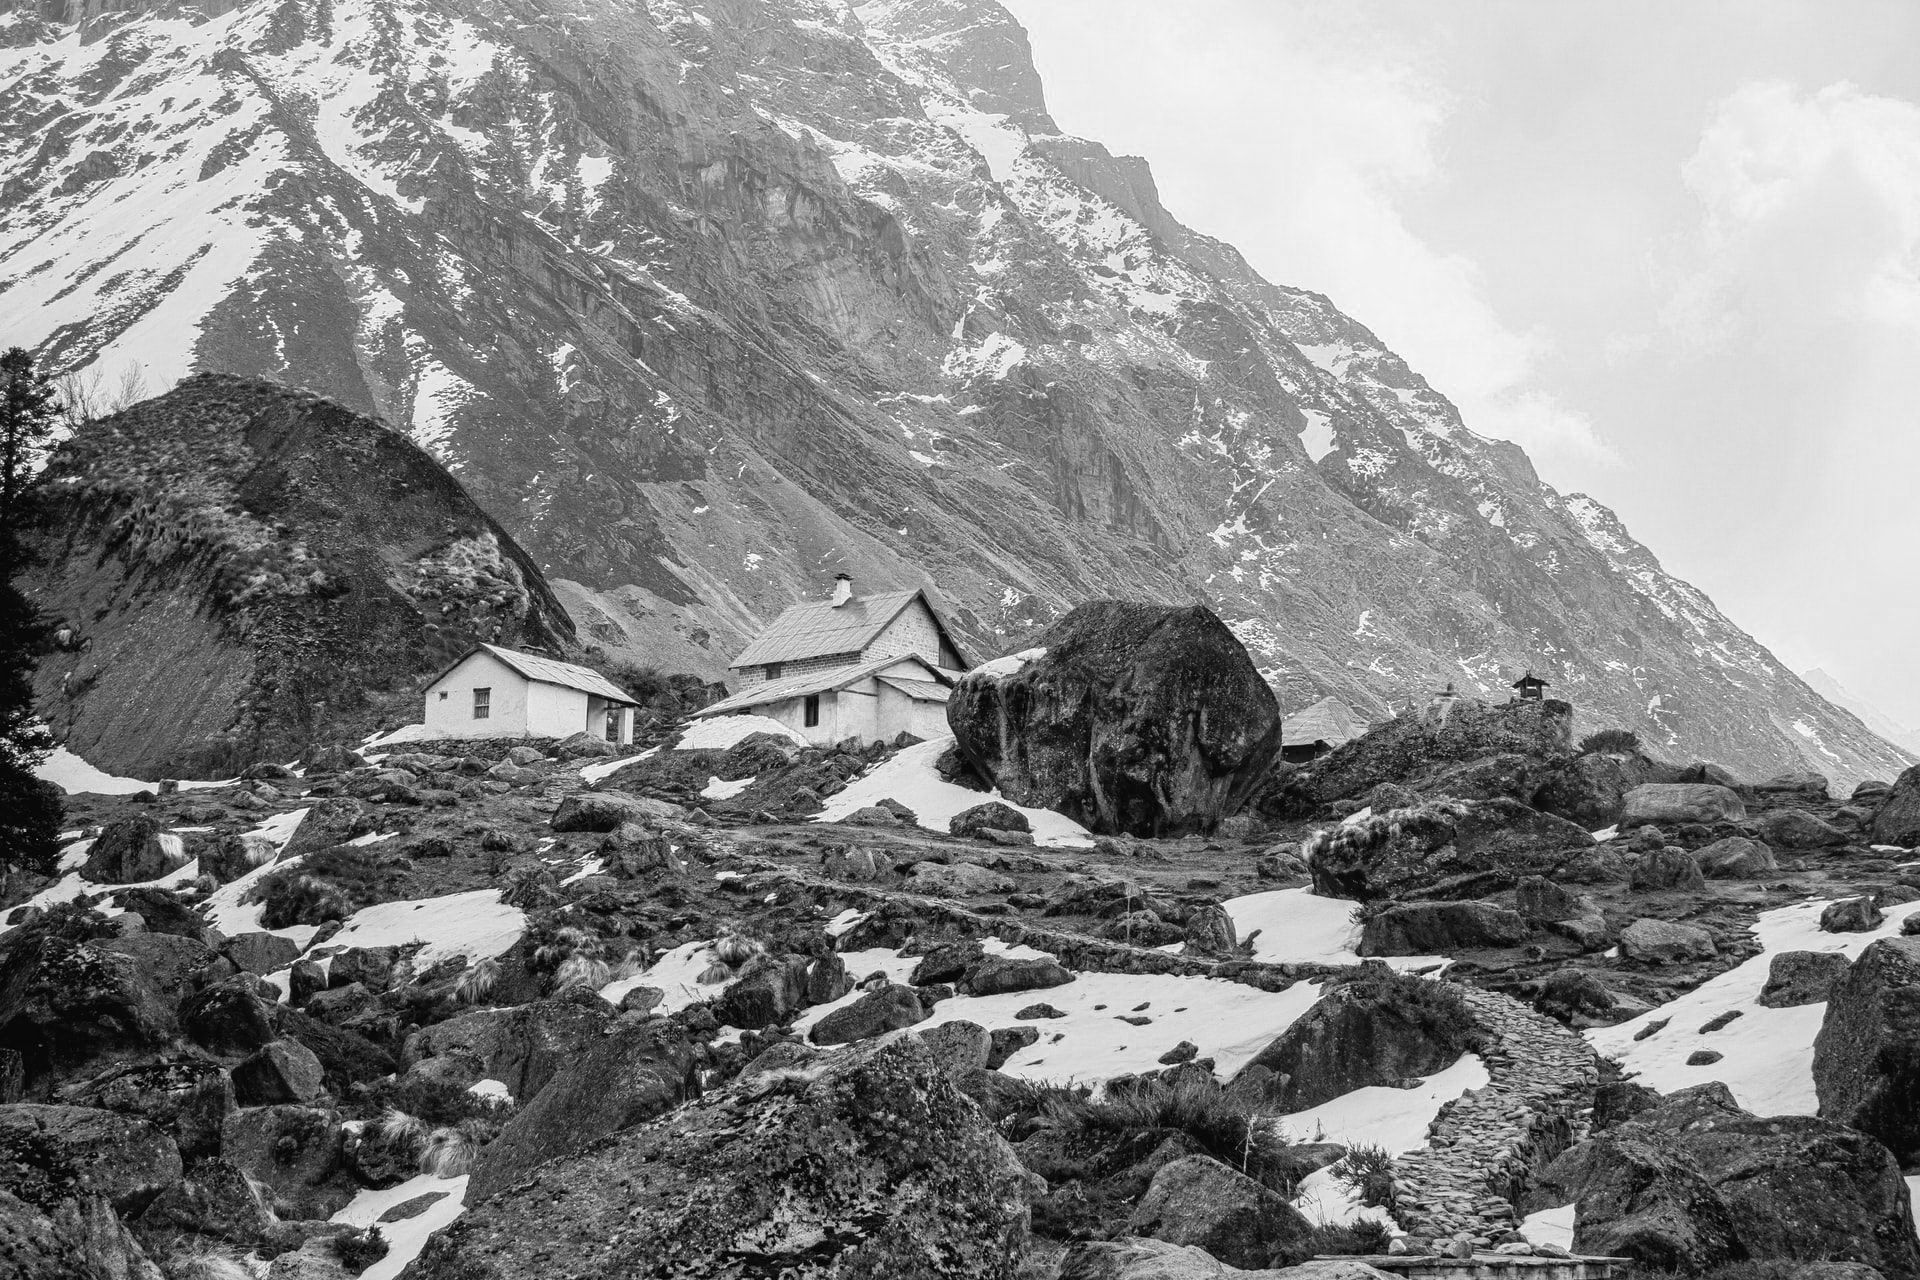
(1672, 249)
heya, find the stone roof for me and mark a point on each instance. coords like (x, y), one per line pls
(821, 629)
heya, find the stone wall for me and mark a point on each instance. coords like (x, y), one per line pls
(1483, 1148)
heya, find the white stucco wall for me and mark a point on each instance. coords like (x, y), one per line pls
(898, 712)
(554, 711)
(520, 708)
(452, 716)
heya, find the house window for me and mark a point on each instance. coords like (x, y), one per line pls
(482, 703)
(773, 671)
(812, 712)
(443, 695)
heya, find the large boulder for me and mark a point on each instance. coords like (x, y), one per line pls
(1796, 829)
(632, 1075)
(954, 880)
(132, 850)
(1692, 1180)
(1199, 1201)
(65, 1006)
(1145, 719)
(877, 1012)
(1470, 849)
(1639, 1195)
(294, 1150)
(188, 1099)
(1897, 820)
(991, 816)
(1797, 978)
(522, 1047)
(1379, 1029)
(69, 1238)
(1663, 869)
(999, 975)
(1592, 789)
(606, 810)
(1668, 803)
(1866, 1059)
(871, 1163)
(60, 1150)
(1666, 942)
(1436, 928)
(282, 1071)
(1736, 858)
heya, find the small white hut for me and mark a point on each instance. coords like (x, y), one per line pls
(863, 667)
(1310, 733)
(504, 693)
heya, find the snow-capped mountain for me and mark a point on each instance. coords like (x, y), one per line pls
(1876, 720)
(705, 301)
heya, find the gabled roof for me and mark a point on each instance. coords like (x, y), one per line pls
(547, 671)
(819, 629)
(824, 681)
(1329, 720)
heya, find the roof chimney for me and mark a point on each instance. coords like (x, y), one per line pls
(842, 589)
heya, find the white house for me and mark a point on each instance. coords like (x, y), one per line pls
(503, 693)
(865, 667)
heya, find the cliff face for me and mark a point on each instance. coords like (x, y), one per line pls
(708, 300)
(247, 571)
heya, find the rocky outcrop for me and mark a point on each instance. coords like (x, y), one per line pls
(1481, 847)
(868, 1163)
(1866, 1059)
(1129, 718)
(253, 572)
(1897, 819)
(1415, 746)
(1592, 789)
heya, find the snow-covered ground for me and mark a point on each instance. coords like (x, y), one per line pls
(1395, 1119)
(721, 732)
(602, 768)
(475, 924)
(910, 778)
(1768, 1053)
(407, 1237)
(1297, 925)
(676, 974)
(73, 775)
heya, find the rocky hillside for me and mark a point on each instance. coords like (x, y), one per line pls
(706, 301)
(246, 571)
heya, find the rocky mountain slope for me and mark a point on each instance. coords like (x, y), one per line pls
(707, 300)
(245, 571)
(1878, 721)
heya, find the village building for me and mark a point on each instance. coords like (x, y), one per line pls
(1310, 733)
(504, 693)
(863, 667)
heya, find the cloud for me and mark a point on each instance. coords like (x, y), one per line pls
(1809, 216)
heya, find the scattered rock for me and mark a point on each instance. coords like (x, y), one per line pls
(992, 815)
(1796, 829)
(282, 1071)
(606, 810)
(960, 880)
(1852, 915)
(998, 975)
(887, 1009)
(1665, 869)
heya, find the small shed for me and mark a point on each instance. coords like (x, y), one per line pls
(1531, 688)
(493, 692)
(1310, 733)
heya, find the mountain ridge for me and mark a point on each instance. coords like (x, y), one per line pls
(705, 302)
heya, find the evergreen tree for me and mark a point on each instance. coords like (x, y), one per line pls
(30, 810)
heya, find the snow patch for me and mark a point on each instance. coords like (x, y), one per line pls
(910, 778)
(721, 732)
